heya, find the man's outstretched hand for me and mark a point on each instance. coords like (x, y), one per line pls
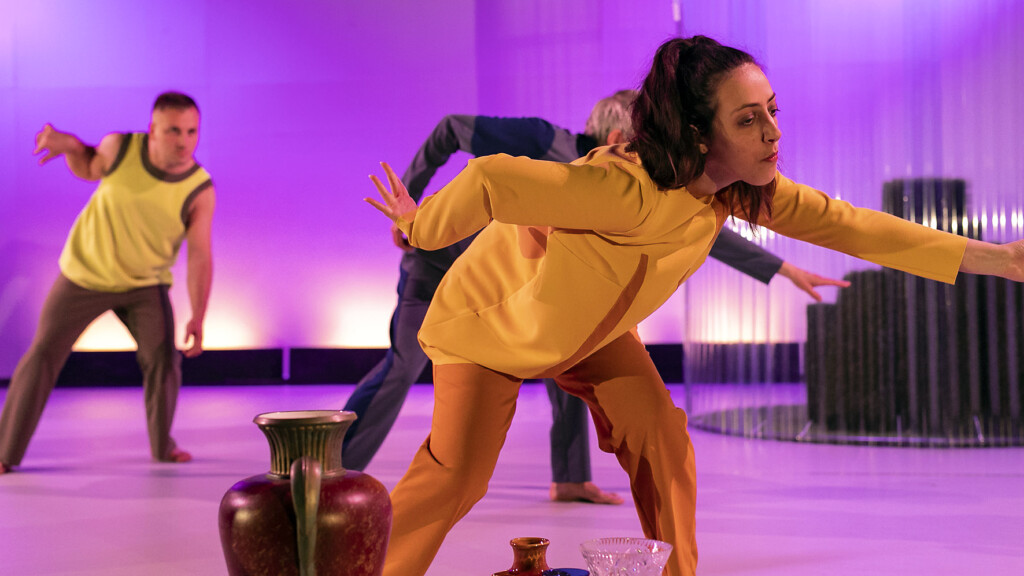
(808, 281)
(54, 143)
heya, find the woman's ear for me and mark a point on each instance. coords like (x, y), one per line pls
(700, 139)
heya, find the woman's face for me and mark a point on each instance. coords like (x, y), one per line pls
(745, 136)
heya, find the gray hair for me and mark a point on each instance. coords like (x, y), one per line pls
(611, 113)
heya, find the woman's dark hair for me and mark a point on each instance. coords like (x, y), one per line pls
(674, 111)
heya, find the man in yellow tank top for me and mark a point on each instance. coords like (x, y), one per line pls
(151, 196)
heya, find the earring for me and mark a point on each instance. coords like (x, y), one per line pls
(703, 149)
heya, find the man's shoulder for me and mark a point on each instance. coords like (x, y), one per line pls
(114, 148)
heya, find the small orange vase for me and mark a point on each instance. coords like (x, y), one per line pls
(529, 557)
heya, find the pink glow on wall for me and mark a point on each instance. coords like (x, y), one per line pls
(300, 101)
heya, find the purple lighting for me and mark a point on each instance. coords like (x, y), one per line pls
(300, 103)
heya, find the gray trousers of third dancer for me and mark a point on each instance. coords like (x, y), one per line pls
(67, 312)
(379, 396)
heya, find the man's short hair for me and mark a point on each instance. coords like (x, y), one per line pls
(611, 113)
(176, 100)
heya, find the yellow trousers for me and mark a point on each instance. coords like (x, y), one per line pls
(634, 417)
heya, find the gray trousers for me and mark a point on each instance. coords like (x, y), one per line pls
(379, 396)
(68, 310)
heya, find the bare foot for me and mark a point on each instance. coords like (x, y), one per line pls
(582, 492)
(178, 456)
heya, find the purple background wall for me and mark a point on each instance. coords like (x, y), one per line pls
(300, 100)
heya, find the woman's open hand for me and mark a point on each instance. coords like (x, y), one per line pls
(1005, 260)
(397, 202)
(1015, 269)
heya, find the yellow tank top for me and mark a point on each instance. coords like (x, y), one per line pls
(129, 233)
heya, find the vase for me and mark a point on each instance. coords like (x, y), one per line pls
(529, 558)
(307, 516)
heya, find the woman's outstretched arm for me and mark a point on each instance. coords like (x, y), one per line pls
(520, 191)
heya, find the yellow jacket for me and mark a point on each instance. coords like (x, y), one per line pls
(575, 255)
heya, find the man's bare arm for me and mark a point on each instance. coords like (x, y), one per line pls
(85, 161)
(200, 268)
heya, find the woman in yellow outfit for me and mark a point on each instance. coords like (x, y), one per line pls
(575, 255)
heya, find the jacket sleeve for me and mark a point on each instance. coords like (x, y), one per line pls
(747, 257)
(806, 214)
(521, 191)
(530, 137)
(452, 134)
(481, 136)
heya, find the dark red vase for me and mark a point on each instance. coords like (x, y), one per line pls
(308, 516)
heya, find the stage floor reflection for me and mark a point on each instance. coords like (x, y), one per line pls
(778, 411)
(88, 501)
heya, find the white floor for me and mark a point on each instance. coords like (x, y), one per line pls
(88, 501)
